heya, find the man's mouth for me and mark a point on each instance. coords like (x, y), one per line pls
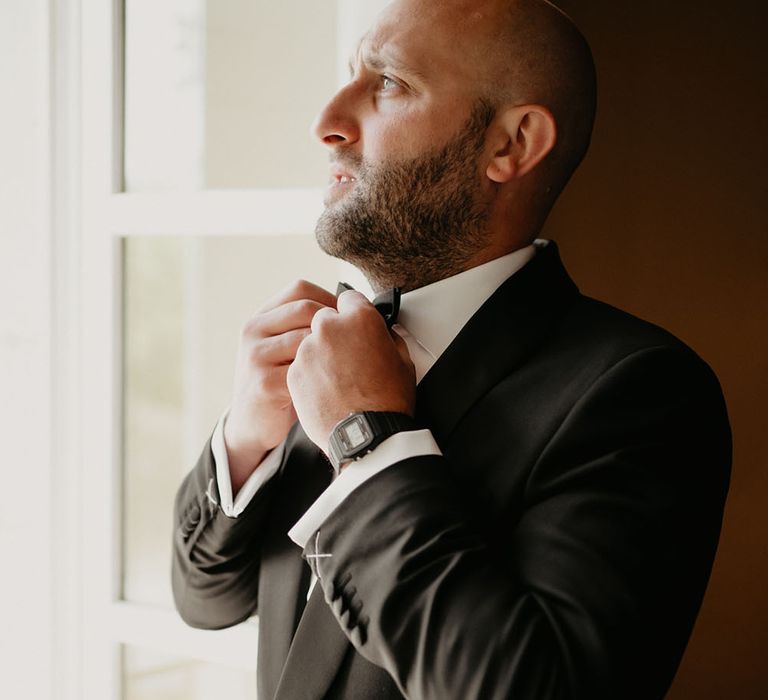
(341, 178)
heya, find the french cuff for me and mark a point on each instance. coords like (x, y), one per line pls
(263, 472)
(400, 446)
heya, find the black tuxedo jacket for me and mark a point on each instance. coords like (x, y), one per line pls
(559, 548)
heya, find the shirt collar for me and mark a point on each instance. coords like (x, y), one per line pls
(435, 314)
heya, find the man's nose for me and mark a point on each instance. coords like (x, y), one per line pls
(337, 124)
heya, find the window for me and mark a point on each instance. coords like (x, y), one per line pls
(195, 114)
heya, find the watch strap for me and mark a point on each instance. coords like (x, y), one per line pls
(388, 423)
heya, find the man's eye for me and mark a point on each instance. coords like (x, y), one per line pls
(388, 83)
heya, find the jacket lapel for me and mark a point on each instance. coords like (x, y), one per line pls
(313, 654)
(505, 331)
(317, 651)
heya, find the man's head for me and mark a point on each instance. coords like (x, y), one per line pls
(462, 122)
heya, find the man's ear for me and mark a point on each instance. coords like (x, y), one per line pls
(529, 133)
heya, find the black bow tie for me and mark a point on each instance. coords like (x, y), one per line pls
(387, 303)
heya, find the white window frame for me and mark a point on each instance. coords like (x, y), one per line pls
(97, 221)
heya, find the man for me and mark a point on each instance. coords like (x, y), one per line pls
(530, 483)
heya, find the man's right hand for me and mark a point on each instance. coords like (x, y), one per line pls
(261, 413)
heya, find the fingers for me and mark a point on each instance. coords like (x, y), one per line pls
(351, 301)
(287, 317)
(301, 289)
(292, 314)
(292, 309)
(280, 349)
(322, 317)
(348, 303)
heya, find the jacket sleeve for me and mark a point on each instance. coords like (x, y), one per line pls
(216, 558)
(592, 587)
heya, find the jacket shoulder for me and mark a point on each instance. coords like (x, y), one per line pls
(604, 335)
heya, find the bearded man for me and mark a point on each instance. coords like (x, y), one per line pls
(507, 490)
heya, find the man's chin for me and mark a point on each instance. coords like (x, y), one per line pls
(325, 235)
(334, 237)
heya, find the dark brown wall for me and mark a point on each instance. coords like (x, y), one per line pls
(668, 218)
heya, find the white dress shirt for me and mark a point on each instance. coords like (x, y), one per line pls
(430, 318)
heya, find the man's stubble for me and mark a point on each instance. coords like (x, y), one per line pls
(412, 223)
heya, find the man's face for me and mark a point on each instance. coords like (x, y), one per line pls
(406, 134)
(410, 223)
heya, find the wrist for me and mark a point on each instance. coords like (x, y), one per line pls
(243, 457)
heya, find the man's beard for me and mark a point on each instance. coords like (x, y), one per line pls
(412, 223)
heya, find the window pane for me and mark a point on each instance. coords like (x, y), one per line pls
(150, 675)
(221, 93)
(186, 299)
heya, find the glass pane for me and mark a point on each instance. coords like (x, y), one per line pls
(222, 93)
(186, 299)
(151, 675)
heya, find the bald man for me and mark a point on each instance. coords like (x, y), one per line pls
(508, 490)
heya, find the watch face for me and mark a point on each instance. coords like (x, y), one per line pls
(354, 434)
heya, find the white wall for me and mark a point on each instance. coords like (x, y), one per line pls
(25, 354)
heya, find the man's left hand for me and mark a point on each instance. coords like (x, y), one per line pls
(349, 362)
